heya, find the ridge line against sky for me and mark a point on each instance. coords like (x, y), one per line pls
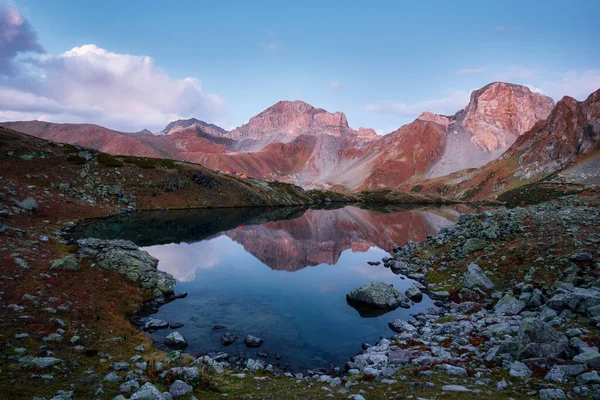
(130, 66)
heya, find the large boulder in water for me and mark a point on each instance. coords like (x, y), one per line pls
(377, 295)
(124, 256)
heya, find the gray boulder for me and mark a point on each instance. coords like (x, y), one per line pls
(509, 305)
(153, 324)
(147, 392)
(67, 263)
(472, 245)
(475, 278)
(536, 339)
(559, 373)
(175, 341)
(589, 378)
(45, 362)
(180, 388)
(519, 370)
(414, 293)
(377, 295)
(401, 326)
(29, 204)
(124, 256)
(552, 394)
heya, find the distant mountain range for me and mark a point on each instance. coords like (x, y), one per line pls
(295, 142)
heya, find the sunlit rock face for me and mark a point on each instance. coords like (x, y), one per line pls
(500, 112)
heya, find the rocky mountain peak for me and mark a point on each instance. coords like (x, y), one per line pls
(437, 118)
(292, 119)
(500, 112)
(181, 124)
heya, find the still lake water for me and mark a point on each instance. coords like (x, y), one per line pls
(280, 274)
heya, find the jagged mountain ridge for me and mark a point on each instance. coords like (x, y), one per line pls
(295, 142)
(561, 149)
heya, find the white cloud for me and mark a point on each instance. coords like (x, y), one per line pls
(335, 85)
(183, 260)
(111, 89)
(500, 29)
(577, 84)
(449, 104)
(471, 71)
(535, 89)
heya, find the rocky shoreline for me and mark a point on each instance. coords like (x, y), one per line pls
(527, 335)
(539, 336)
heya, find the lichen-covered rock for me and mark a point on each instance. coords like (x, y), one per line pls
(377, 295)
(475, 278)
(68, 263)
(124, 256)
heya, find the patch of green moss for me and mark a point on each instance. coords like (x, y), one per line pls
(109, 160)
(151, 163)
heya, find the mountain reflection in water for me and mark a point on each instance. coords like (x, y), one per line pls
(220, 257)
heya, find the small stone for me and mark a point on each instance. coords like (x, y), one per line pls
(175, 340)
(155, 324)
(67, 263)
(147, 392)
(475, 278)
(252, 341)
(519, 370)
(582, 257)
(589, 378)
(414, 293)
(180, 388)
(228, 338)
(455, 388)
(29, 204)
(45, 362)
(551, 394)
(401, 326)
(509, 305)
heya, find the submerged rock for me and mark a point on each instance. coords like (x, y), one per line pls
(252, 341)
(228, 338)
(124, 256)
(377, 295)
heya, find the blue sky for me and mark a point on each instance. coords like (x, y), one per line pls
(380, 62)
